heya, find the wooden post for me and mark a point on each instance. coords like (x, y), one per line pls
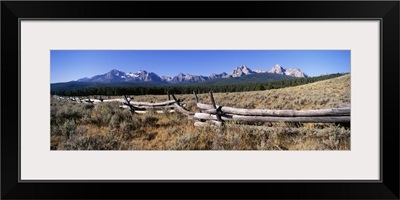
(177, 102)
(197, 99)
(215, 106)
(129, 104)
(169, 96)
(195, 95)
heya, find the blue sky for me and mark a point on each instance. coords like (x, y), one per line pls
(68, 65)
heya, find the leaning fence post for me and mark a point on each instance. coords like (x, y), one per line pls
(129, 104)
(173, 96)
(197, 100)
(215, 106)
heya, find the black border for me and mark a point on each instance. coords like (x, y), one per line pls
(388, 12)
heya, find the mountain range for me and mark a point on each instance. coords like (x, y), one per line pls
(116, 76)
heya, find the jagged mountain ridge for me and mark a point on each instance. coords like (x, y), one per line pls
(142, 75)
(119, 76)
(295, 72)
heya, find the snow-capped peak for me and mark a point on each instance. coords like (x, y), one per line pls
(240, 71)
(278, 69)
(132, 74)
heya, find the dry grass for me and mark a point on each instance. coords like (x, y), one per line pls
(322, 94)
(106, 127)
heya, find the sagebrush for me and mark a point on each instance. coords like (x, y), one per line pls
(105, 126)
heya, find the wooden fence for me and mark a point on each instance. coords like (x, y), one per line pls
(168, 106)
(217, 115)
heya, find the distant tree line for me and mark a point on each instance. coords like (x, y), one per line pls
(188, 89)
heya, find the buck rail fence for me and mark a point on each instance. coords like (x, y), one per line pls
(168, 106)
(216, 115)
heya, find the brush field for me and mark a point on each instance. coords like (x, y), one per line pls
(105, 126)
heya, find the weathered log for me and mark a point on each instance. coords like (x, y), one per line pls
(155, 107)
(321, 119)
(281, 113)
(96, 101)
(183, 111)
(158, 111)
(114, 100)
(210, 116)
(165, 103)
(124, 106)
(145, 111)
(210, 123)
(344, 106)
(88, 100)
(128, 106)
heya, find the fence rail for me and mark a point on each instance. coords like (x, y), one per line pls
(278, 113)
(168, 106)
(217, 115)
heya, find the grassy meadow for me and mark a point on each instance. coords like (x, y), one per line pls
(78, 126)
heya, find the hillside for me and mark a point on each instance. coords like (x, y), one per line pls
(321, 94)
